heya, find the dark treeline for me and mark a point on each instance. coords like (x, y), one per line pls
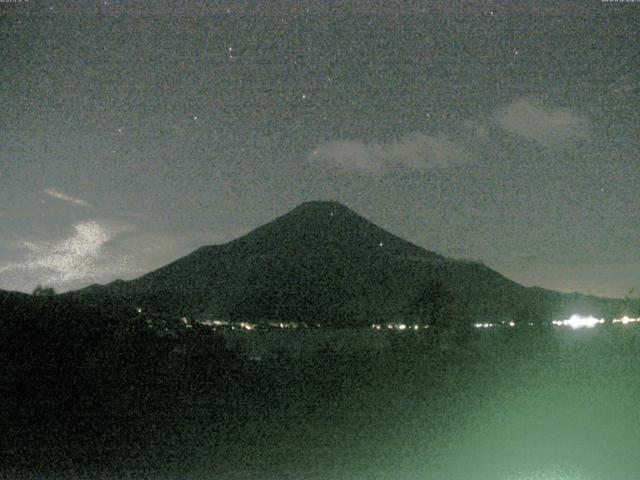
(70, 372)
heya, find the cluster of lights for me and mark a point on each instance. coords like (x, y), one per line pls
(214, 323)
(284, 325)
(224, 324)
(575, 322)
(491, 325)
(578, 321)
(624, 320)
(398, 326)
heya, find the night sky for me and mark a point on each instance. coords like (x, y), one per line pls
(132, 133)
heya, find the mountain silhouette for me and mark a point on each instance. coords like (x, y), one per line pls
(323, 263)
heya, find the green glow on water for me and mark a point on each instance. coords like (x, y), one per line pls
(561, 413)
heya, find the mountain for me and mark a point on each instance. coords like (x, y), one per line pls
(323, 263)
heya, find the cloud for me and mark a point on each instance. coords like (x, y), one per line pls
(549, 127)
(350, 155)
(66, 198)
(475, 130)
(417, 151)
(626, 85)
(75, 257)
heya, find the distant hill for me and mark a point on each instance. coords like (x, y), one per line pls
(323, 263)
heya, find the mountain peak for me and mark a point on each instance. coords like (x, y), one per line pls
(323, 228)
(321, 204)
(314, 207)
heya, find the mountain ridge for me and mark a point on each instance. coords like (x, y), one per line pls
(324, 262)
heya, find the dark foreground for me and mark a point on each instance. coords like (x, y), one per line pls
(513, 404)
